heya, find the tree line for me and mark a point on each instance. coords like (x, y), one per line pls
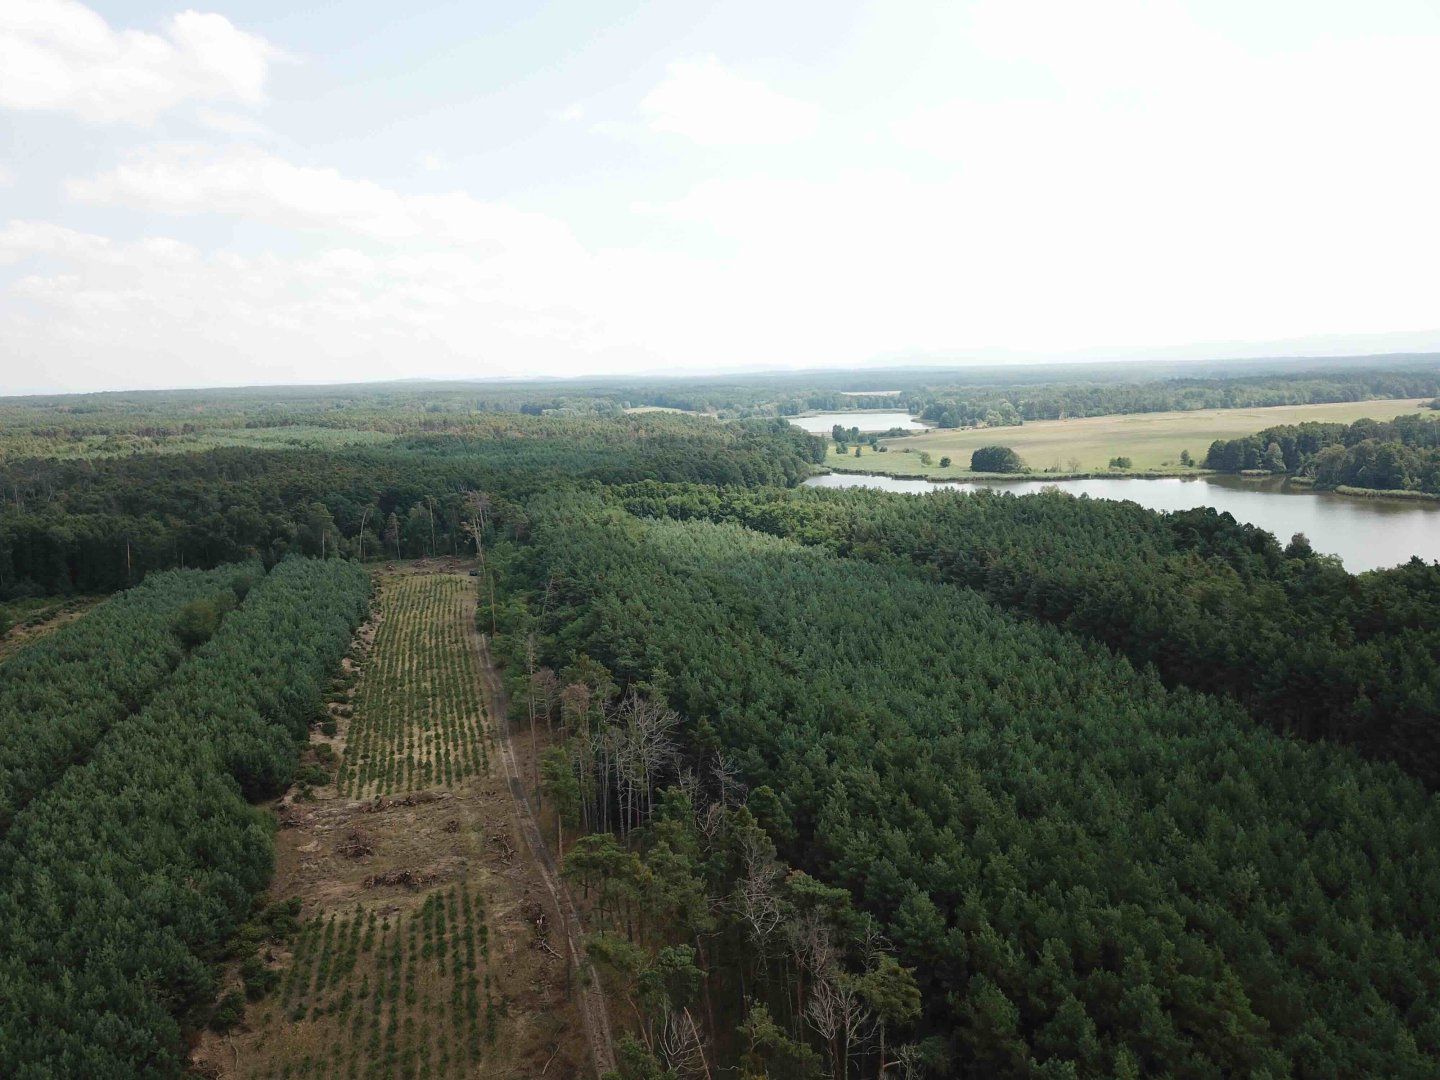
(100, 425)
(1384, 455)
(1063, 400)
(98, 526)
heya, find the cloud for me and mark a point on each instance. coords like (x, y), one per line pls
(59, 56)
(706, 102)
(6, 176)
(231, 123)
(92, 311)
(242, 181)
(21, 238)
(568, 115)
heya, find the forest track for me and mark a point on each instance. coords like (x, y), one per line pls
(592, 999)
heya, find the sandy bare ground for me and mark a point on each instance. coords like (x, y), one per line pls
(23, 635)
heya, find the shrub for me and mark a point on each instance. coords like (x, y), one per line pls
(199, 619)
(229, 1011)
(996, 459)
(313, 775)
(260, 978)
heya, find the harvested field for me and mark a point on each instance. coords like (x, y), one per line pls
(1152, 441)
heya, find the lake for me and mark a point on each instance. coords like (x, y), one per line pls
(1367, 534)
(821, 423)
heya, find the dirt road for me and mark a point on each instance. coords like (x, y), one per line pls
(592, 1000)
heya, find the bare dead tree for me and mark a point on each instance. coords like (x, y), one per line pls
(363, 518)
(477, 508)
(643, 748)
(682, 1047)
(874, 948)
(547, 689)
(841, 1018)
(756, 899)
(812, 950)
(874, 945)
(910, 1059)
(710, 819)
(552, 585)
(606, 746)
(531, 702)
(650, 725)
(726, 775)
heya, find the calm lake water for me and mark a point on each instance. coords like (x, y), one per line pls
(1367, 534)
(821, 423)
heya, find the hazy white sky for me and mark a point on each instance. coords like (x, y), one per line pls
(271, 191)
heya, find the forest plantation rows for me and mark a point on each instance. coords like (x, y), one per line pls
(1088, 873)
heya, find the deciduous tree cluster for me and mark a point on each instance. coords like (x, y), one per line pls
(1396, 455)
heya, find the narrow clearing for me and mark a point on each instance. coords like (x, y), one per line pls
(427, 943)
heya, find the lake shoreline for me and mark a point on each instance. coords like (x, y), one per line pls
(1302, 483)
(1367, 533)
(1026, 477)
(885, 421)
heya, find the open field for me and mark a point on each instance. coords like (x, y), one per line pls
(424, 945)
(1152, 441)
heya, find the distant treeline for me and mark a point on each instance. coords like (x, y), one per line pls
(1215, 605)
(1014, 406)
(951, 402)
(121, 423)
(1395, 455)
(97, 526)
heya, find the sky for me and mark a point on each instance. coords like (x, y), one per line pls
(277, 192)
